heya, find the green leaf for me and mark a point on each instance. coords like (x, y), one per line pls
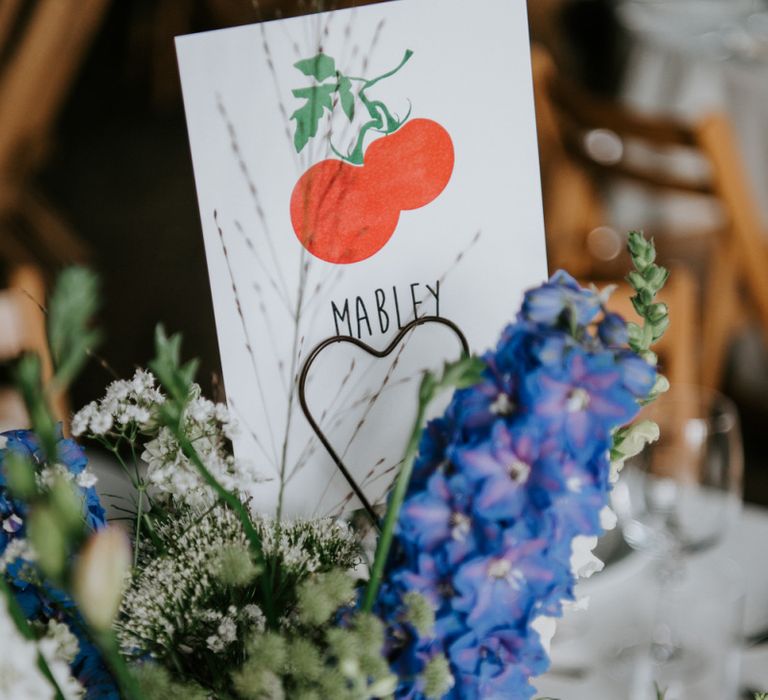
(175, 377)
(318, 67)
(346, 97)
(20, 473)
(318, 99)
(48, 541)
(67, 507)
(28, 380)
(72, 305)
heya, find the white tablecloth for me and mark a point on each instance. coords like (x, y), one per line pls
(582, 658)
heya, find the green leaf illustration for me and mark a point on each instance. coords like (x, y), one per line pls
(346, 97)
(308, 117)
(318, 67)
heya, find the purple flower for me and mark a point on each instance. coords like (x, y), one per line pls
(439, 515)
(497, 665)
(612, 331)
(560, 297)
(585, 399)
(496, 590)
(513, 472)
(503, 463)
(637, 375)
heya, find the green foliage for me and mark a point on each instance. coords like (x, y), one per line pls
(29, 381)
(233, 566)
(647, 280)
(176, 378)
(318, 67)
(318, 99)
(155, 683)
(419, 613)
(311, 660)
(437, 677)
(322, 595)
(71, 307)
(761, 696)
(660, 694)
(20, 476)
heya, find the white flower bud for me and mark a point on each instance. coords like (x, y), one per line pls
(101, 574)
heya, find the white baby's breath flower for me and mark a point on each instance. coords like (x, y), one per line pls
(66, 644)
(86, 479)
(17, 548)
(100, 423)
(209, 427)
(82, 418)
(125, 403)
(49, 475)
(20, 675)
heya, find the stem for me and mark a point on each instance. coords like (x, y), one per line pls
(129, 688)
(137, 536)
(393, 511)
(292, 390)
(375, 109)
(17, 615)
(237, 508)
(371, 83)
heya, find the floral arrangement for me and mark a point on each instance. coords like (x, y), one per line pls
(492, 518)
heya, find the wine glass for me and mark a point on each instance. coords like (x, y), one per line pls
(676, 499)
(683, 492)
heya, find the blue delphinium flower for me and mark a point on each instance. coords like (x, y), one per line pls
(514, 471)
(41, 603)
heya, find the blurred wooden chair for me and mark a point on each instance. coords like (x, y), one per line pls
(573, 175)
(42, 43)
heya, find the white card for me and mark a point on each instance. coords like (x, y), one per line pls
(443, 217)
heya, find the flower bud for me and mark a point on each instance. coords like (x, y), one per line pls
(656, 312)
(656, 276)
(48, 541)
(100, 576)
(613, 330)
(637, 437)
(637, 280)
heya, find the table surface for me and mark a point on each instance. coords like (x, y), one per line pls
(581, 658)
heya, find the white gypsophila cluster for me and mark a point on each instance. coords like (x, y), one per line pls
(307, 546)
(178, 600)
(209, 427)
(171, 604)
(59, 647)
(18, 548)
(135, 404)
(226, 625)
(126, 402)
(62, 643)
(52, 473)
(20, 675)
